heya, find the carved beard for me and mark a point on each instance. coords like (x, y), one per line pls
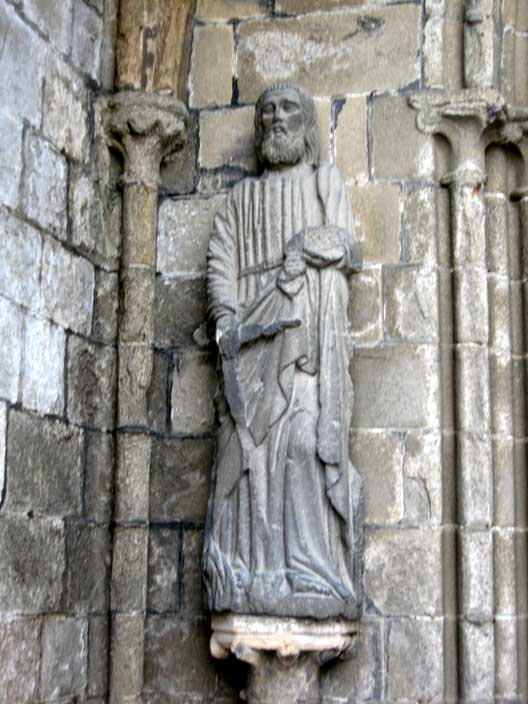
(282, 149)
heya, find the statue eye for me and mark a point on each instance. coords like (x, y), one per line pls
(289, 106)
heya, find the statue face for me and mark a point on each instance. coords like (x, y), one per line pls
(283, 129)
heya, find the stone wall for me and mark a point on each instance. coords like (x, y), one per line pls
(58, 308)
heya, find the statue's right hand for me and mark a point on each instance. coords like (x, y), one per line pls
(228, 336)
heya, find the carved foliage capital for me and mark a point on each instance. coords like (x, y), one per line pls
(145, 128)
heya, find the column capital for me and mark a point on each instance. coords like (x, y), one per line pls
(144, 128)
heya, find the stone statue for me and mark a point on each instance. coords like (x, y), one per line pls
(284, 525)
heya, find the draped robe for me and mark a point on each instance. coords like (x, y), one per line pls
(284, 526)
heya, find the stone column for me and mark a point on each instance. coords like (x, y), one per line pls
(144, 129)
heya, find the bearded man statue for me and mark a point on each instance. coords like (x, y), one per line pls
(283, 534)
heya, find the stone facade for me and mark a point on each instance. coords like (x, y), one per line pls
(101, 531)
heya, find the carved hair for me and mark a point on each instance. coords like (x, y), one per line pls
(311, 138)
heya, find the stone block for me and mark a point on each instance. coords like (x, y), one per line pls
(504, 485)
(422, 478)
(415, 662)
(132, 477)
(67, 287)
(515, 15)
(44, 460)
(184, 228)
(508, 662)
(294, 7)
(193, 590)
(377, 213)
(331, 54)
(350, 138)
(54, 22)
(91, 383)
(104, 323)
(135, 364)
(181, 308)
(126, 663)
(497, 233)
(377, 456)
(43, 369)
(173, 645)
(212, 66)
(476, 587)
(20, 657)
(65, 112)
(236, 147)
(137, 306)
(193, 386)
(229, 9)
(410, 304)
(399, 149)
(129, 569)
(474, 402)
(323, 116)
(23, 54)
(163, 593)
(179, 482)
(469, 232)
(505, 566)
(475, 495)
(364, 307)
(396, 387)
(81, 195)
(11, 319)
(420, 217)
(32, 557)
(500, 313)
(99, 466)
(64, 657)
(358, 678)
(44, 187)
(87, 36)
(179, 171)
(139, 226)
(471, 313)
(158, 400)
(3, 446)
(10, 158)
(477, 653)
(403, 571)
(88, 551)
(20, 261)
(97, 656)
(501, 377)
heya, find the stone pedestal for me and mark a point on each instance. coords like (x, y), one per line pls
(284, 654)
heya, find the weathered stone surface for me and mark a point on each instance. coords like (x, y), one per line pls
(91, 383)
(330, 54)
(20, 657)
(422, 478)
(364, 307)
(158, 401)
(87, 35)
(377, 456)
(193, 592)
(377, 213)
(3, 446)
(137, 302)
(475, 497)
(179, 482)
(10, 158)
(20, 261)
(104, 324)
(399, 149)
(99, 463)
(228, 9)
(23, 54)
(65, 110)
(506, 549)
(395, 386)
(415, 662)
(32, 557)
(515, 15)
(10, 349)
(127, 654)
(478, 654)
(129, 569)
(403, 571)
(67, 288)
(134, 377)
(139, 224)
(182, 646)
(193, 386)
(179, 170)
(43, 370)
(53, 21)
(97, 656)
(420, 223)
(44, 460)
(44, 187)
(181, 307)
(64, 657)
(184, 230)
(88, 551)
(360, 676)
(410, 307)
(212, 63)
(508, 664)
(293, 7)
(474, 402)
(323, 112)
(236, 146)
(132, 477)
(350, 137)
(476, 588)
(472, 315)
(163, 593)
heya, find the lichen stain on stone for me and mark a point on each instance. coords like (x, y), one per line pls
(367, 24)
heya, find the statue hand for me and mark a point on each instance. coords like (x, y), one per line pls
(228, 336)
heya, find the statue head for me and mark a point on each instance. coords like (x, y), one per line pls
(286, 127)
